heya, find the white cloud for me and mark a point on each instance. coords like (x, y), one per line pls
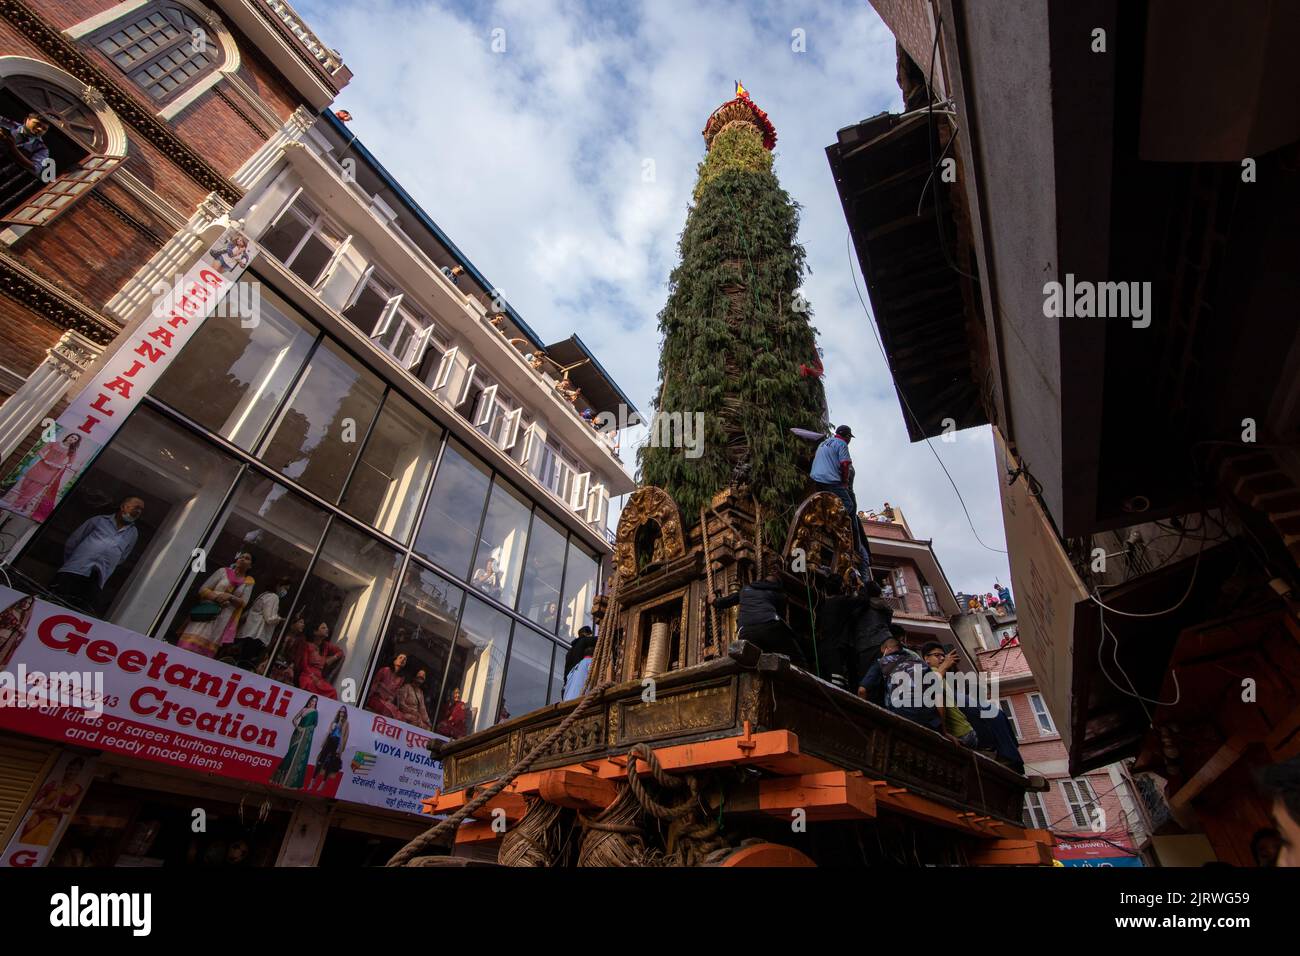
(532, 160)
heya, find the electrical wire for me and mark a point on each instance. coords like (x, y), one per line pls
(907, 405)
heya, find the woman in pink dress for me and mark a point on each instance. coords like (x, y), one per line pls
(316, 654)
(37, 492)
(229, 589)
(383, 690)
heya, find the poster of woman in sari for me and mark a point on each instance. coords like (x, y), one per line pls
(329, 762)
(13, 625)
(293, 767)
(214, 621)
(53, 803)
(44, 472)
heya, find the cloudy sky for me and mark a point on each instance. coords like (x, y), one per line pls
(557, 142)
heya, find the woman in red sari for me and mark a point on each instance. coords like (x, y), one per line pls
(452, 722)
(383, 690)
(316, 654)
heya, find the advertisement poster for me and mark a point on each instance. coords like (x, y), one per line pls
(52, 467)
(52, 809)
(80, 681)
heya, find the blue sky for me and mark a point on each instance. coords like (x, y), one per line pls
(557, 142)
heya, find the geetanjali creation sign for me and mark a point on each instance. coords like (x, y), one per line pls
(71, 443)
(71, 678)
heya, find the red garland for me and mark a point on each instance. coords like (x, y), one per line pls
(760, 119)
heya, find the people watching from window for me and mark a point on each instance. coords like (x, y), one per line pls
(411, 704)
(454, 717)
(213, 623)
(453, 273)
(259, 624)
(488, 579)
(383, 689)
(284, 666)
(317, 658)
(762, 616)
(22, 146)
(94, 551)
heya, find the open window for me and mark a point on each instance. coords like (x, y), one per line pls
(162, 47)
(302, 239)
(76, 142)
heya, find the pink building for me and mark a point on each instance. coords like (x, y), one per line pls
(1095, 815)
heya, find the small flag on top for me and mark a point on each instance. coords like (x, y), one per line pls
(741, 92)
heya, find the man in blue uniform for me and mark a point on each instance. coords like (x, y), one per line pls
(832, 470)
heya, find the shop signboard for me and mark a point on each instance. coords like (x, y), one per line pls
(80, 681)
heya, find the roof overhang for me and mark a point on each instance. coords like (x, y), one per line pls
(283, 37)
(585, 371)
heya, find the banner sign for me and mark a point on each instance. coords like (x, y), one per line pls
(52, 809)
(71, 678)
(71, 443)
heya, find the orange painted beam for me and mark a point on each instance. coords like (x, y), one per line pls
(1009, 853)
(477, 831)
(832, 795)
(901, 800)
(511, 802)
(579, 790)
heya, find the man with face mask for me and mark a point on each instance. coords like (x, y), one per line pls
(259, 622)
(94, 551)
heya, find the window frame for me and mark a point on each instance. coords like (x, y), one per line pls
(1035, 808)
(1042, 718)
(1079, 803)
(319, 224)
(1010, 711)
(131, 71)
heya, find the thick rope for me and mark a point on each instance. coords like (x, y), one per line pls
(534, 840)
(691, 841)
(613, 837)
(758, 528)
(432, 837)
(708, 574)
(603, 654)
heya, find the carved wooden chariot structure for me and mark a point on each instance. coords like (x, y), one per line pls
(691, 748)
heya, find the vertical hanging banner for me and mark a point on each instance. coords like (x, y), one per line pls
(70, 444)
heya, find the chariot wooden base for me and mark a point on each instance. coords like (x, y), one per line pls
(796, 747)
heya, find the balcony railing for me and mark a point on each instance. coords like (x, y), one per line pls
(294, 23)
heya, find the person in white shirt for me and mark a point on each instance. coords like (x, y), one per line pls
(258, 626)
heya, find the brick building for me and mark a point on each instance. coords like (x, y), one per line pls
(404, 459)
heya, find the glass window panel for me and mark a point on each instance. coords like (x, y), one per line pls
(451, 518)
(365, 312)
(580, 575)
(539, 596)
(501, 544)
(527, 674)
(557, 676)
(280, 531)
(180, 481)
(311, 259)
(423, 630)
(347, 595)
(388, 484)
(283, 238)
(231, 377)
(469, 697)
(321, 431)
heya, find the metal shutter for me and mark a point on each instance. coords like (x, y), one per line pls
(23, 765)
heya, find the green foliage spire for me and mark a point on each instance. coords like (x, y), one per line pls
(735, 335)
